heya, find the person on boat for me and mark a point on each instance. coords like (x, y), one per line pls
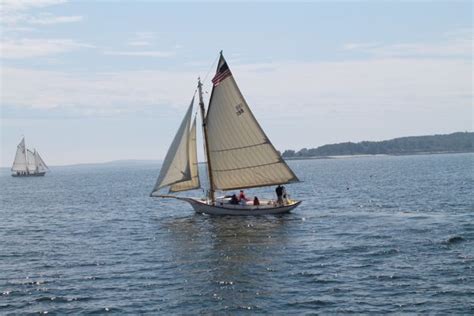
(285, 197)
(256, 201)
(234, 199)
(242, 197)
(279, 192)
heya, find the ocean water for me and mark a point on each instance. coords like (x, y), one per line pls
(373, 235)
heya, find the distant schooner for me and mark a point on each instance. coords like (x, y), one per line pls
(28, 163)
(239, 154)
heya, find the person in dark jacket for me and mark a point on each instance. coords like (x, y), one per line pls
(256, 201)
(279, 192)
(234, 199)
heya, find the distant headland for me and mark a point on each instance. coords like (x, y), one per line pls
(459, 142)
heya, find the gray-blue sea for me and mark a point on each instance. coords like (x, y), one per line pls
(376, 235)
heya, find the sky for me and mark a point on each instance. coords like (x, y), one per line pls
(96, 81)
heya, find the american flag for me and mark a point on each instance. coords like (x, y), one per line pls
(221, 74)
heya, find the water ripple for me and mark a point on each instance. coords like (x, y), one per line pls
(91, 241)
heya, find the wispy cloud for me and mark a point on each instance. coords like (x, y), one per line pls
(455, 44)
(15, 21)
(92, 93)
(379, 85)
(139, 43)
(27, 48)
(159, 54)
(142, 39)
(48, 19)
(19, 16)
(15, 12)
(21, 5)
(360, 46)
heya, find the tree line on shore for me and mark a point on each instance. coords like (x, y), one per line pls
(455, 142)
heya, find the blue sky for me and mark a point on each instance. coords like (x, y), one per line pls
(93, 81)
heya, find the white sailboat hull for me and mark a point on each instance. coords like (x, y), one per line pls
(204, 207)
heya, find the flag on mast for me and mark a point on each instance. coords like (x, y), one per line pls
(221, 74)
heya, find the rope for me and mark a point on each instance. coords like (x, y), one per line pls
(209, 71)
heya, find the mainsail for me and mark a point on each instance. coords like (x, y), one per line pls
(20, 162)
(40, 165)
(31, 161)
(193, 183)
(176, 166)
(240, 154)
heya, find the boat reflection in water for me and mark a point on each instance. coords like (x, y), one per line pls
(231, 256)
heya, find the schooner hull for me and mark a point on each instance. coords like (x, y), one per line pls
(38, 174)
(226, 209)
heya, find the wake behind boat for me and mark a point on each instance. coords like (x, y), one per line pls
(239, 155)
(28, 163)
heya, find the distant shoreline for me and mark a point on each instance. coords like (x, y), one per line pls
(156, 162)
(457, 142)
(377, 155)
(454, 143)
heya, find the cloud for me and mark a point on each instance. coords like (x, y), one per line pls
(17, 15)
(360, 46)
(286, 89)
(14, 21)
(22, 5)
(455, 44)
(95, 93)
(142, 39)
(139, 43)
(48, 19)
(14, 12)
(361, 86)
(159, 54)
(27, 48)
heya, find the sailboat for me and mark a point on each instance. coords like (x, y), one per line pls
(28, 163)
(239, 154)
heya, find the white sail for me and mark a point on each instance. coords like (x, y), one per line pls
(193, 164)
(20, 162)
(31, 161)
(176, 166)
(240, 154)
(40, 165)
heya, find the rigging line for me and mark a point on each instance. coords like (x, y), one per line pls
(237, 148)
(247, 167)
(210, 68)
(197, 108)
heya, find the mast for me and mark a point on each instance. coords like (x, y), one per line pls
(204, 128)
(26, 156)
